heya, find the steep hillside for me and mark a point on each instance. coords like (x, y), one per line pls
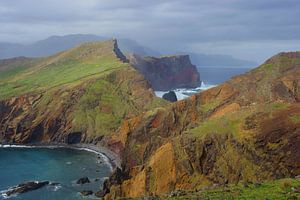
(246, 130)
(167, 73)
(75, 96)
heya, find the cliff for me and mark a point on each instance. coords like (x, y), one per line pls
(167, 73)
(75, 96)
(246, 131)
(243, 131)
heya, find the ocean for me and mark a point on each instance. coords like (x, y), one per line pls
(58, 165)
(210, 77)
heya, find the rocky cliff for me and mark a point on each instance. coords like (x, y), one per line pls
(167, 73)
(75, 96)
(246, 130)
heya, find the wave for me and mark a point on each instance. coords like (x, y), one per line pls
(183, 93)
(92, 150)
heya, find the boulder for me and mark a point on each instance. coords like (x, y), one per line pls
(170, 96)
(83, 180)
(86, 192)
(26, 187)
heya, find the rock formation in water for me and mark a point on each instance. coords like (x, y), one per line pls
(170, 96)
(83, 180)
(26, 187)
(167, 73)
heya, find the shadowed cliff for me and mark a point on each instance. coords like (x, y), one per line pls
(167, 73)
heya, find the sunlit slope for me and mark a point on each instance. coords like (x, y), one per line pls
(75, 96)
(23, 75)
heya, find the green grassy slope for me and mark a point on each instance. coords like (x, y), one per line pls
(272, 190)
(89, 90)
(69, 67)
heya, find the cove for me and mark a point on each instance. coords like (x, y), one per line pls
(58, 165)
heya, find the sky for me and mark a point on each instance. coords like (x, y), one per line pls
(247, 29)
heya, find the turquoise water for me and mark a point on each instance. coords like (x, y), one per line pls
(61, 165)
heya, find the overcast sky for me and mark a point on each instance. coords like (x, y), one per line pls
(248, 29)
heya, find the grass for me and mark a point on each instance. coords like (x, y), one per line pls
(210, 106)
(15, 66)
(272, 190)
(279, 106)
(64, 68)
(105, 103)
(227, 124)
(55, 75)
(295, 118)
(101, 108)
(89, 84)
(232, 123)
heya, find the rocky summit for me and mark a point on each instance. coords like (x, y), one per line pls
(242, 134)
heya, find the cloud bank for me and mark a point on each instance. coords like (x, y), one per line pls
(246, 29)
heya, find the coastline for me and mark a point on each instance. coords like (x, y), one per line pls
(108, 156)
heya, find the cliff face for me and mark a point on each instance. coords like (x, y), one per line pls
(78, 95)
(246, 130)
(167, 73)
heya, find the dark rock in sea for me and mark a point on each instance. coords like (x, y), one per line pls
(26, 187)
(170, 96)
(83, 180)
(86, 192)
(97, 179)
(100, 194)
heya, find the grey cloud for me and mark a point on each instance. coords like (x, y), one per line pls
(167, 25)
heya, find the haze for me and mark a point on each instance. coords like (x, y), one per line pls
(252, 30)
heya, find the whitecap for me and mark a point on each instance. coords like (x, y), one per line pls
(183, 93)
(56, 187)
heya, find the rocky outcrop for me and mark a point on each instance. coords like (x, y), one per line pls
(245, 130)
(170, 96)
(25, 187)
(86, 192)
(83, 180)
(167, 73)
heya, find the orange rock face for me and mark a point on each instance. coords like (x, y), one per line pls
(245, 130)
